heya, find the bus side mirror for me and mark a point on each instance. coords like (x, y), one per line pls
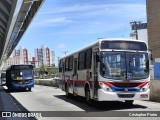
(147, 66)
(150, 55)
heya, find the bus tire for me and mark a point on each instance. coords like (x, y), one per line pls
(68, 95)
(29, 89)
(88, 96)
(129, 102)
(9, 90)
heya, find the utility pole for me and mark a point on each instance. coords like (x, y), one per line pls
(135, 27)
(65, 52)
(58, 58)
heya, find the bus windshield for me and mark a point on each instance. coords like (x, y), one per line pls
(22, 74)
(124, 65)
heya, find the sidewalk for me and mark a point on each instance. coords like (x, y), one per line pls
(9, 104)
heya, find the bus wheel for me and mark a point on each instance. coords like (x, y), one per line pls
(68, 95)
(88, 97)
(29, 89)
(9, 90)
(129, 102)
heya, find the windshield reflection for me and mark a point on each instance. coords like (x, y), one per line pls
(22, 74)
(137, 65)
(124, 65)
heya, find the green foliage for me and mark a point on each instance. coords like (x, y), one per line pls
(52, 71)
(53, 65)
(42, 69)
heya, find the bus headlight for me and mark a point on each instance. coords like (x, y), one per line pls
(144, 88)
(105, 87)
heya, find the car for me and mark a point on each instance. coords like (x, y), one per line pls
(56, 79)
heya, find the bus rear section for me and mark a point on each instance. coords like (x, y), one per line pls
(20, 77)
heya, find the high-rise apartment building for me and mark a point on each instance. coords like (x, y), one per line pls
(52, 57)
(23, 53)
(48, 56)
(44, 56)
(38, 57)
(25, 56)
(19, 56)
(14, 60)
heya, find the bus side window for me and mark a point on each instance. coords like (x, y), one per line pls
(75, 67)
(63, 67)
(60, 66)
(66, 64)
(88, 58)
(81, 60)
(70, 63)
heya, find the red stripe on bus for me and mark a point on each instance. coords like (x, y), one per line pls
(143, 84)
(110, 84)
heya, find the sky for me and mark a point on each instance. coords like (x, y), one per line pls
(66, 25)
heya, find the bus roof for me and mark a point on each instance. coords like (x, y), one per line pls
(99, 40)
(18, 65)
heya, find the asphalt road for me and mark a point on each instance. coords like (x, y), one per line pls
(51, 103)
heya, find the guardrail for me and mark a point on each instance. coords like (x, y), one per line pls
(46, 82)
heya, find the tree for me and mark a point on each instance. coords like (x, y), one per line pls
(52, 71)
(42, 69)
(53, 65)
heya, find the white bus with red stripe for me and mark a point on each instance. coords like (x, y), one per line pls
(107, 70)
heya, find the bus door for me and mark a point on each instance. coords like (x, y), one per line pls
(95, 75)
(75, 76)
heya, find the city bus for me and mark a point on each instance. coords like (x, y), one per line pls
(3, 78)
(20, 77)
(107, 70)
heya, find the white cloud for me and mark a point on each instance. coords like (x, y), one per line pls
(98, 9)
(53, 21)
(71, 9)
(79, 13)
(91, 18)
(61, 46)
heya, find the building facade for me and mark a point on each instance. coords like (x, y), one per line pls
(14, 60)
(25, 56)
(23, 53)
(153, 20)
(140, 30)
(44, 56)
(19, 56)
(52, 58)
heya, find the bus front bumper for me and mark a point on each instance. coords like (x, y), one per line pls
(121, 96)
(21, 86)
